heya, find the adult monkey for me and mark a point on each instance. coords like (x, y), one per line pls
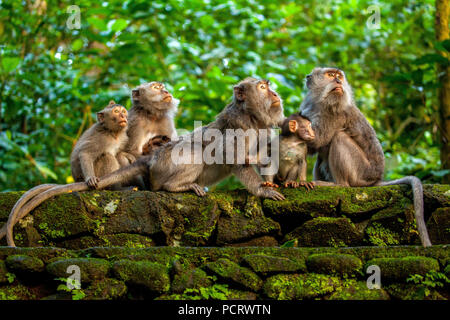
(254, 106)
(349, 153)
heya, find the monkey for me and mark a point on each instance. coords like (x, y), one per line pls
(100, 149)
(254, 106)
(349, 152)
(154, 143)
(292, 166)
(151, 115)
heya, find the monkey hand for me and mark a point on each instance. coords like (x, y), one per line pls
(269, 193)
(269, 184)
(92, 182)
(307, 185)
(291, 184)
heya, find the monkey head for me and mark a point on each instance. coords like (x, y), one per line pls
(329, 85)
(154, 143)
(298, 126)
(114, 117)
(153, 95)
(259, 99)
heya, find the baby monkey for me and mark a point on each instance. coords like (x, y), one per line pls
(295, 132)
(154, 143)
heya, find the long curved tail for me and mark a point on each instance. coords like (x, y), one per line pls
(39, 194)
(417, 190)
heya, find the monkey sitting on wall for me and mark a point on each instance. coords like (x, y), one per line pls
(255, 106)
(295, 132)
(151, 115)
(100, 149)
(349, 153)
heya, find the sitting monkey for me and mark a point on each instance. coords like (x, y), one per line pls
(100, 149)
(295, 132)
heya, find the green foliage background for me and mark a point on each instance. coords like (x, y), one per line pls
(53, 79)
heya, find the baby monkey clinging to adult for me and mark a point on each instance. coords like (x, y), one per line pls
(295, 132)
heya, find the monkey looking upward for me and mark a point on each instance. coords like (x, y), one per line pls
(151, 115)
(349, 153)
(99, 150)
(295, 132)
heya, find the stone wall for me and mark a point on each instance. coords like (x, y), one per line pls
(250, 273)
(328, 217)
(159, 245)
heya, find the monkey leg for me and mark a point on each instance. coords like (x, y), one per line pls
(348, 163)
(106, 164)
(199, 191)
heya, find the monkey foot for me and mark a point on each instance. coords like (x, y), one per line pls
(291, 184)
(199, 191)
(307, 185)
(269, 184)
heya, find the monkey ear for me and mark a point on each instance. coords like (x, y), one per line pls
(111, 103)
(100, 116)
(293, 126)
(308, 81)
(239, 93)
(135, 93)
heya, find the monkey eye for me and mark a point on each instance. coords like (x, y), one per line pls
(262, 86)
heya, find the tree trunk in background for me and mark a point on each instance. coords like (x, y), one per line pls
(442, 33)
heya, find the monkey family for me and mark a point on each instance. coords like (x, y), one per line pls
(120, 151)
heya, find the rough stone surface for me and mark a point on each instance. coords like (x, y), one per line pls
(326, 232)
(192, 273)
(153, 276)
(230, 270)
(340, 264)
(23, 263)
(90, 268)
(402, 268)
(265, 264)
(376, 216)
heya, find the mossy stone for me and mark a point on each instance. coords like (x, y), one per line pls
(22, 263)
(299, 286)
(151, 275)
(106, 289)
(402, 268)
(17, 291)
(337, 264)
(91, 269)
(230, 270)
(357, 290)
(439, 226)
(3, 272)
(190, 279)
(244, 222)
(266, 264)
(326, 232)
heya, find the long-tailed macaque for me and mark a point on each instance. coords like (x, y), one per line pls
(349, 153)
(98, 152)
(292, 167)
(151, 115)
(100, 149)
(254, 106)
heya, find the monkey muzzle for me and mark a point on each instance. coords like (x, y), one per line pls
(167, 98)
(276, 102)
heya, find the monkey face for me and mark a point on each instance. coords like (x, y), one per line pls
(114, 117)
(305, 131)
(329, 85)
(155, 94)
(119, 116)
(258, 98)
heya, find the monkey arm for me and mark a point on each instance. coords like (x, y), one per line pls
(136, 138)
(87, 165)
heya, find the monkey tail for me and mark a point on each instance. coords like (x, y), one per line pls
(417, 189)
(24, 199)
(37, 195)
